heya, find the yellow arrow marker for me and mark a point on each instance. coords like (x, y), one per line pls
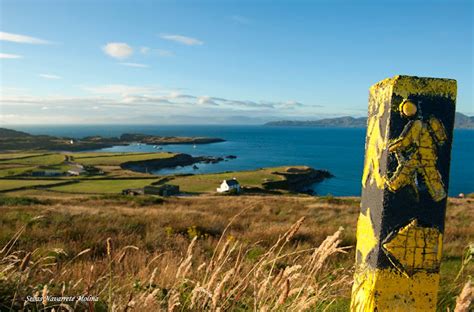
(415, 248)
(366, 239)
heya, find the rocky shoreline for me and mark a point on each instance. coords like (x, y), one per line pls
(298, 180)
(295, 179)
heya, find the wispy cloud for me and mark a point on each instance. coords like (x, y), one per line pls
(50, 76)
(241, 19)
(118, 50)
(138, 65)
(9, 56)
(144, 50)
(164, 53)
(4, 36)
(182, 39)
(159, 52)
(120, 89)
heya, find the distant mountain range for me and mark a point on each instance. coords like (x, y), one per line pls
(461, 122)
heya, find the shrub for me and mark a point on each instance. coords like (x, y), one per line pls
(21, 201)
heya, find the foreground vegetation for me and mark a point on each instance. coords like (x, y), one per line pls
(269, 253)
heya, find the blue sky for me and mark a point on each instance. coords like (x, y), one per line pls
(245, 62)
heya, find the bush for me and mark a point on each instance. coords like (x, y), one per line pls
(21, 201)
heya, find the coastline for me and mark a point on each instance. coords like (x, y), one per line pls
(13, 140)
(295, 179)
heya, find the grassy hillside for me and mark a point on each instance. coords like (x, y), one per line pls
(209, 251)
(38, 160)
(76, 235)
(15, 184)
(99, 186)
(17, 155)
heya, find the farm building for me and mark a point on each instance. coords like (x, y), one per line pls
(79, 170)
(229, 185)
(76, 170)
(162, 190)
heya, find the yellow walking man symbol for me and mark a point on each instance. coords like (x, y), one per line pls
(416, 153)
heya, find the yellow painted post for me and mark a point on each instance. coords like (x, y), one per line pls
(404, 193)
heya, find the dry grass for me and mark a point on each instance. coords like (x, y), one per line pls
(185, 254)
(280, 279)
(463, 302)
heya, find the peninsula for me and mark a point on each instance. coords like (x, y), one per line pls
(19, 141)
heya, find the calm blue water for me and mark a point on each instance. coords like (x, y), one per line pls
(341, 151)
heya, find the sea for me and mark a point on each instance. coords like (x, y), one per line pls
(339, 150)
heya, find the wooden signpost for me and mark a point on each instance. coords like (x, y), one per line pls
(404, 193)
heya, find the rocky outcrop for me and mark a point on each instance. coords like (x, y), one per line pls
(178, 160)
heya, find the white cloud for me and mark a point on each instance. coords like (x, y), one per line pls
(9, 56)
(4, 36)
(135, 104)
(134, 65)
(206, 100)
(182, 39)
(118, 50)
(50, 76)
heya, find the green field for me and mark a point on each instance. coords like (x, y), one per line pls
(14, 170)
(40, 160)
(109, 186)
(204, 183)
(14, 184)
(115, 179)
(17, 155)
(93, 159)
(22, 164)
(103, 154)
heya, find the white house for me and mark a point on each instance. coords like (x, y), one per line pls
(76, 171)
(229, 185)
